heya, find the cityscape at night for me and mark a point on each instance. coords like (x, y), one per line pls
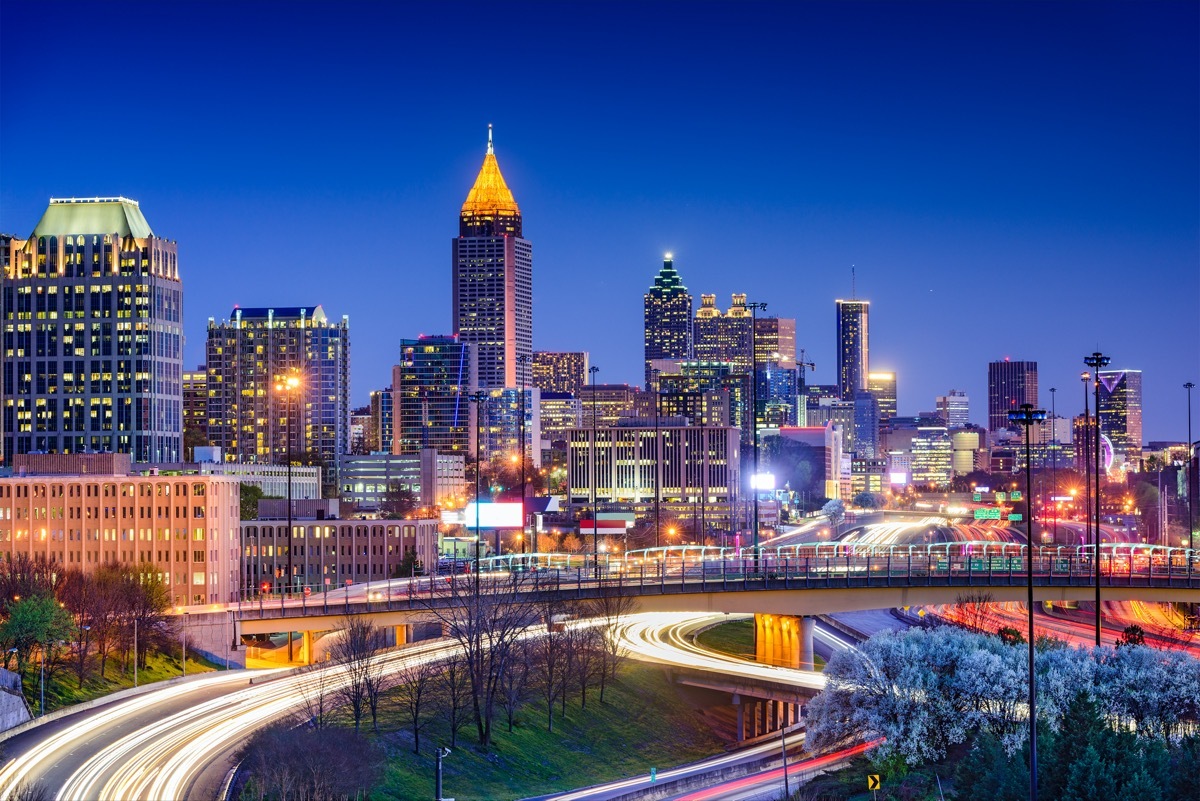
(802, 408)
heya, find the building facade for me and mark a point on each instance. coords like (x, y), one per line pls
(727, 337)
(560, 412)
(195, 402)
(955, 409)
(492, 280)
(775, 341)
(434, 479)
(853, 346)
(1120, 414)
(560, 372)
(667, 319)
(1009, 385)
(86, 510)
(382, 433)
(92, 358)
(882, 385)
(431, 388)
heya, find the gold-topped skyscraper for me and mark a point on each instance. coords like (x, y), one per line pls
(492, 269)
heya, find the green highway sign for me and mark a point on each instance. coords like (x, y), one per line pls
(1001, 497)
(1014, 496)
(977, 497)
(987, 514)
(1016, 517)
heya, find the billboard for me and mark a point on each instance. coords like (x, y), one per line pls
(493, 515)
(762, 481)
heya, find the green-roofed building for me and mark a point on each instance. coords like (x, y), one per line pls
(92, 311)
(667, 319)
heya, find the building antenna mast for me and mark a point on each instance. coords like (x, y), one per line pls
(489, 150)
(853, 284)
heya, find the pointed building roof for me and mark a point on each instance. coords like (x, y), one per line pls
(97, 215)
(490, 195)
(668, 281)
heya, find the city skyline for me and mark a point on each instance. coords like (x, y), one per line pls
(949, 209)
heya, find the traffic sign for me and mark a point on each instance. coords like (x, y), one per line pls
(1001, 497)
(977, 497)
(1015, 517)
(987, 514)
(1014, 496)
(873, 781)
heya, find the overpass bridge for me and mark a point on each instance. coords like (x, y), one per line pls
(783, 585)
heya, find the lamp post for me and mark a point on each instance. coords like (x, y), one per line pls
(183, 642)
(1027, 416)
(288, 386)
(1084, 377)
(754, 309)
(522, 362)
(654, 373)
(1054, 457)
(1097, 361)
(1187, 491)
(478, 398)
(595, 477)
(440, 753)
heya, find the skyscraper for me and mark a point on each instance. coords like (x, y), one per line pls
(866, 425)
(247, 357)
(1121, 413)
(883, 386)
(853, 349)
(92, 308)
(560, 372)
(775, 340)
(667, 316)
(492, 269)
(1009, 385)
(725, 337)
(430, 386)
(955, 409)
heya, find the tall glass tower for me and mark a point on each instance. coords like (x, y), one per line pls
(92, 312)
(1009, 385)
(1120, 413)
(852, 346)
(492, 268)
(667, 318)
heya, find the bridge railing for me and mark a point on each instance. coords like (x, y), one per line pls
(665, 571)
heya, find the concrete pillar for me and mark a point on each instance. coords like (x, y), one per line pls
(806, 643)
(401, 635)
(741, 722)
(306, 650)
(760, 639)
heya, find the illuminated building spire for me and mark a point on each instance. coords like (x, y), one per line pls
(490, 208)
(490, 152)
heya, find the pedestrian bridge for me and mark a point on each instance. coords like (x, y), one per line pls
(796, 580)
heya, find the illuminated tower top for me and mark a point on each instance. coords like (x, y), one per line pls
(490, 208)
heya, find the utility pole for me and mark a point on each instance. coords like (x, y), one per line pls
(754, 309)
(595, 478)
(1187, 492)
(1097, 361)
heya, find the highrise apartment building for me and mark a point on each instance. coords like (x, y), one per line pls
(955, 409)
(492, 268)
(882, 385)
(667, 318)
(383, 414)
(431, 389)
(775, 341)
(1009, 385)
(853, 349)
(1120, 414)
(195, 401)
(250, 356)
(560, 372)
(92, 312)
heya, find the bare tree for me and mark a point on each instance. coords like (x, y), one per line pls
(354, 650)
(455, 694)
(549, 660)
(416, 692)
(611, 607)
(299, 764)
(73, 592)
(486, 620)
(973, 608)
(514, 684)
(317, 696)
(104, 606)
(585, 659)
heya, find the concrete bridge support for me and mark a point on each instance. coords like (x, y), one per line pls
(757, 717)
(785, 640)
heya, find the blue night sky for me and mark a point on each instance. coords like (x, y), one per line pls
(1009, 179)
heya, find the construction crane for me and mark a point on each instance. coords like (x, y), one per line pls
(801, 363)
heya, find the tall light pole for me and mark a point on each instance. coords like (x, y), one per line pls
(595, 478)
(654, 373)
(1027, 416)
(1187, 492)
(754, 309)
(288, 387)
(1054, 457)
(1097, 361)
(1084, 377)
(522, 361)
(478, 398)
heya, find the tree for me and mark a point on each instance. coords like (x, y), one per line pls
(251, 495)
(316, 696)
(454, 693)
(1011, 636)
(288, 763)
(1132, 635)
(398, 503)
(611, 607)
(415, 689)
(193, 438)
(33, 623)
(835, 511)
(972, 608)
(73, 592)
(514, 684)
(870, 500)
(355, 650)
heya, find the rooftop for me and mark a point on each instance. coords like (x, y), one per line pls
(97, 215)
(490, 194)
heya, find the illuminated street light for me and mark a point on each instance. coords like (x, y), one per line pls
(1097, 361)
(287, 386)
(1026, 417)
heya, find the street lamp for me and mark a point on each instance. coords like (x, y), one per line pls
(183, 642)
(522, 361)
(1084, 377)
(595, 477)
(1026, 417)
(1188, 473)
(478, 398)
(288, 386)
(440, 754)
(654, 373)
(1097, 361)
(1054, 455)
(754, 309)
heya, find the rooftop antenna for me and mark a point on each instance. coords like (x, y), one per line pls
(490, 151)
(853, 280)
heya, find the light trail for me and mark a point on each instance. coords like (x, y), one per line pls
(800, 766)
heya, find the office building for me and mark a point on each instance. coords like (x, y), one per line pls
(696, 472)
(92, 309)
(866, 425)
(360, 429)
(968, 451)
(381, 435)
(775, 340)
(560, 412)
(667, 318)
(560, 372)
(1121, 414)
(882, 385)
(501, 427)
(727, 337)
(195, 401)
(823, 454)
(1010, 384)
(373, 481)
(430, 393)
(492, 269)
(249, 356)
(932, 457)
(853, 347)
(86, 510)
(776, 394)
(608, 403)
(954, 409)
